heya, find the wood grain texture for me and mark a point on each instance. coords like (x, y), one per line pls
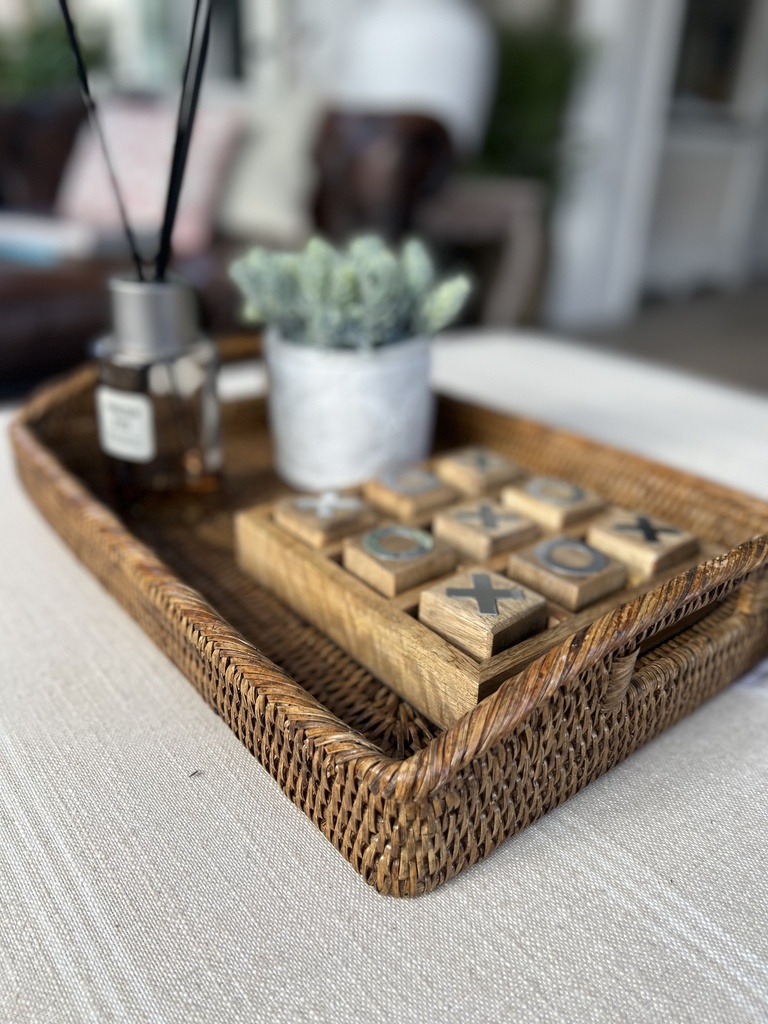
(476, 470)
(645, 543)
(493, 660)
(568, 571)
(410, 493)
(391, 577)
(319, 521)
(481, 529)
(553, 502)
(438, 680)
(409, 807)
(482, 612)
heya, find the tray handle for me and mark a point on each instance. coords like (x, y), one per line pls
(722, 638)
(623, 670)
(753, 596)
(618, 679)
(612, 646)
(752, 601)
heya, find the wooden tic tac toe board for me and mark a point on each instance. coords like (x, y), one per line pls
(445, 579)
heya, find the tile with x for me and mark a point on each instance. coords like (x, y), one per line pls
(476, 470)
(645, 543)
(482, 612)
(480, 529)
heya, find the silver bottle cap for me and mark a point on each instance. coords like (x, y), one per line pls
(152, 319)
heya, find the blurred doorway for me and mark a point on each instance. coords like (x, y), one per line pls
(709, 225)
(668, 183)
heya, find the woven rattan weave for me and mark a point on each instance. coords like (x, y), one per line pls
(407, 805)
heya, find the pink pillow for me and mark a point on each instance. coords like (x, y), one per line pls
(140, 136)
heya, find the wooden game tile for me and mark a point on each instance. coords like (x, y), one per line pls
(395, 558)
(320, 519)
(568, 571)
(475, 469)
(481, 529)
(643, 542)
(408, 492)
(553, 503)
(482, 612)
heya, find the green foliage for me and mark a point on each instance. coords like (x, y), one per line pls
(537, 72)
(39, 58)
(443, 304)
(417, 267)
(358, 297)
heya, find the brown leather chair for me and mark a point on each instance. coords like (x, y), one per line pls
(374, 169)
(393, 173)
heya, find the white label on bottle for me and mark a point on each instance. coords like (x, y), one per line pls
(126, 424)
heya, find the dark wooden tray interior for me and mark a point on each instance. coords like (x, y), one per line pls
(195, 538)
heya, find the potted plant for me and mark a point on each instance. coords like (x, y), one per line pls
(348, 354)
(40, 111)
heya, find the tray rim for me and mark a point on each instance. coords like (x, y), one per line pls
(421, 774)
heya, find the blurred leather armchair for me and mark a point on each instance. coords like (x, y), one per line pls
(373, 169)
(394, 174)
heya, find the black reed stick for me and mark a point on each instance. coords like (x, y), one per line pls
(93, 115)
(193, 71)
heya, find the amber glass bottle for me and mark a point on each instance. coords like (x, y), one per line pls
(156, 404)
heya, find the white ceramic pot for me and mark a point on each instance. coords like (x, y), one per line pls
(339, 417)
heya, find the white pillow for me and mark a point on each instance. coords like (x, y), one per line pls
(268, 193)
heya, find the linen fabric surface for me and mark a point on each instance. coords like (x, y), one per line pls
(150, 870)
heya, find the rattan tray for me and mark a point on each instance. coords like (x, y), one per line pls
(409, 806)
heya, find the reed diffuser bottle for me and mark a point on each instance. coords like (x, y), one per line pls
(156, 403)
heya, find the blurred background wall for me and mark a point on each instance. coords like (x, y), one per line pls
(663, 185)
(641, 123)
